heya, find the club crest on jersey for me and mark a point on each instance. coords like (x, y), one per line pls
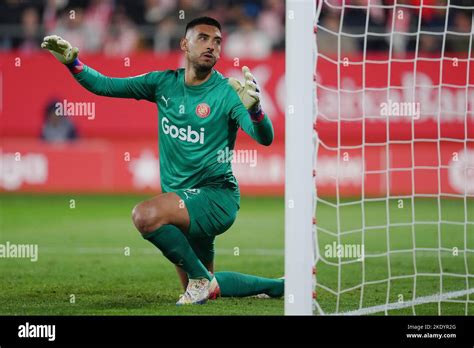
(203, 110)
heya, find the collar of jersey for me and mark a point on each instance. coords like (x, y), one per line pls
(202, 86)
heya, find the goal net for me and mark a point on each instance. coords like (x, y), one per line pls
(394, 157)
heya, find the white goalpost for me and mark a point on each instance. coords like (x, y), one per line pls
(379, 198)
(299, 255)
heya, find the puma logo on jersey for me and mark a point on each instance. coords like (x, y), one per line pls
(165, 100)
(184, 134)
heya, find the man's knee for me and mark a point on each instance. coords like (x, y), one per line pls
(147, 217)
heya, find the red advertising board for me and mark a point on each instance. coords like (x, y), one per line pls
(29, 82)
(350, 100)
(132, 166)
(120, 166)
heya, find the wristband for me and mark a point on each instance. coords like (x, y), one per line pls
(257, 115)
(75, 67)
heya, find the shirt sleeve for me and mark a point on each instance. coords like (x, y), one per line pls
(137, 87)
(261, 131)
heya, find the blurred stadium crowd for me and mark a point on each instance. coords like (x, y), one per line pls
(403, 28)
(253, 28)
(117, 27)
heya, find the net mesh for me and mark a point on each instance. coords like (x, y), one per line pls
(394, 157)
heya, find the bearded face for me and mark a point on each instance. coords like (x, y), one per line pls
(202, 46)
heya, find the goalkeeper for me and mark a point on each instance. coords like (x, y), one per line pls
(200, 112)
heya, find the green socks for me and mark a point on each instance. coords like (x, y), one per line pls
(175, 247)
(235, 284)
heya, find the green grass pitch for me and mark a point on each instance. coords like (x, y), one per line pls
(82, 256)
(82, 253)
(397, 252)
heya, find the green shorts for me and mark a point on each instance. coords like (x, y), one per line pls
(212, 210)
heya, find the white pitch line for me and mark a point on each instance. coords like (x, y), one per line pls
(150, 251)
(400, 305)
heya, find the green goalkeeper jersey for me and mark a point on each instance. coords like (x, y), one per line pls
(197, 124)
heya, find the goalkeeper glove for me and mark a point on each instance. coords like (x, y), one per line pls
(249, 93)
(60, 48)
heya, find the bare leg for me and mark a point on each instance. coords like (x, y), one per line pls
(167, 208)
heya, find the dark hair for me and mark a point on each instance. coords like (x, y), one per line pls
(202, 20)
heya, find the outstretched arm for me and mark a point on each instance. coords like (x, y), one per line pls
(247, 111)
(138, 87)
